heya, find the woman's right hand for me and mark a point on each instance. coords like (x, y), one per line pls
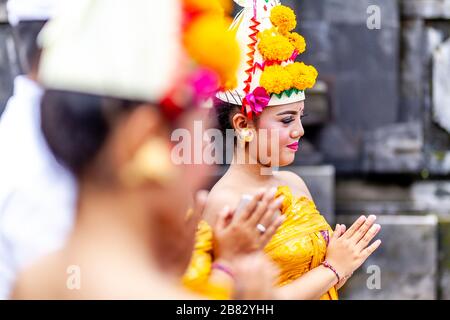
(255, 278)
(348, 250)
(238, 235)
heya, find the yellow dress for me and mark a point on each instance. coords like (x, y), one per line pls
(297, 247)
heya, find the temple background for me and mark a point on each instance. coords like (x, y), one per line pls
(377, 133)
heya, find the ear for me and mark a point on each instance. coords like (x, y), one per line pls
(239, 122)
(135, 130)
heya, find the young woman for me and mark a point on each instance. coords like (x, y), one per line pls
(109, 125)
(265, 112)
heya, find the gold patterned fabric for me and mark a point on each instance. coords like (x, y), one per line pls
(197, 275)
(297, 247)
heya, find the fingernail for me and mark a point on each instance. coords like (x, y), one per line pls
(261, 190)
(377, 227)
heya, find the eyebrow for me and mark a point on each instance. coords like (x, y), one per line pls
(293, 112)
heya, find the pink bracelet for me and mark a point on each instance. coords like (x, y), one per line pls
(223, 268)
(329, 266)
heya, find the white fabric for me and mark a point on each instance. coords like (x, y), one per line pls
(126, 49)
(30, 10)
(37, 195)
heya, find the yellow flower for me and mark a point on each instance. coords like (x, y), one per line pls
(297, 41)
(209, 6)
(227, 5)
(283, 18)
(275, 79)
(210, 44)
(274, 47)
(303, 76)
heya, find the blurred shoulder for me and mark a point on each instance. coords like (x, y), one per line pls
(221, 195)
(36, 281)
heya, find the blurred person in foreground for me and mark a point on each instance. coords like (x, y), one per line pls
(37, 194)
(117, 84)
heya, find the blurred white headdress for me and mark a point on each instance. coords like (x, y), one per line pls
(133, 49)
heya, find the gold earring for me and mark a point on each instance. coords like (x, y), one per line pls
(246, 135)
(151, 162)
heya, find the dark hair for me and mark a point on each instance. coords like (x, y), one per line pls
(77, 125)
(25, 34)
(225, 112)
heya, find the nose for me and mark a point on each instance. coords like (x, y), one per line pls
(298, 132)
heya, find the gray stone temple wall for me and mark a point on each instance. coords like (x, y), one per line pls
(360, 68)
(8, 65)
(386, 89)
(381, 117)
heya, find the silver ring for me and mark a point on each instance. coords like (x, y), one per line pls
(261, 228)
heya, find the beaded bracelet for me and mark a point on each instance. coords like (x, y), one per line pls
(223, 268)
(329, 266)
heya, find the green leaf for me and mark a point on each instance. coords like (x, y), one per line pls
(288, 93)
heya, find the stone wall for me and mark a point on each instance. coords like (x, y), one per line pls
(405, 266)
(388, 89)
(387, 132)
(8, 67)
(360, 67)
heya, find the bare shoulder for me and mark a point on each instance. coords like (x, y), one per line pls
(35, 281)
(295, 182)
(21, 288)
(221, 195)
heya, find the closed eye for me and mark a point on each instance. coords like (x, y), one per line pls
(288, 120)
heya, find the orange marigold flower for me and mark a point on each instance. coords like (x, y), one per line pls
(275, 47)
(303, 76)
(276, 79)
(283, 18)
(209, 6)
(210, 44)
(297, 41)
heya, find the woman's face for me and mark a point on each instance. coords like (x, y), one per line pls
(194, 170)
(279, 129)
(174, 234)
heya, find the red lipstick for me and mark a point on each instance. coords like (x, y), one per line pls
(293, 146)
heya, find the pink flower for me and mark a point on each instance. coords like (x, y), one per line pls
(258, 100)
(205, 84)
